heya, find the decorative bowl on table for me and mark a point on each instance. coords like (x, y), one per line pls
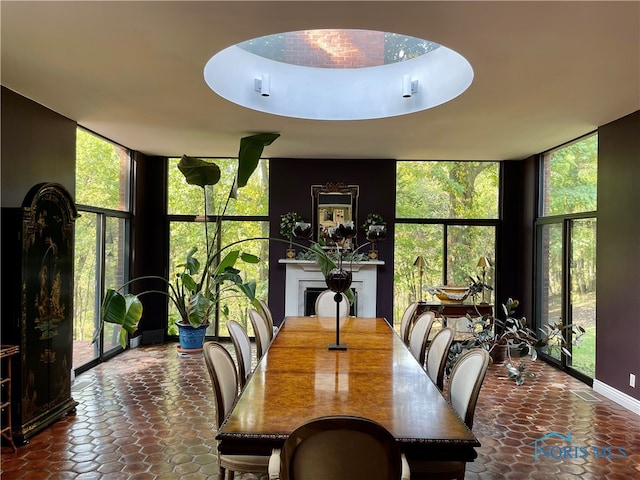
(451, 293)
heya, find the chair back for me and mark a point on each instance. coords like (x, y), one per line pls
(326, 305)
(340, 448)
(242, 347)
(465, 382)
(224, 378)
(266, 313)
(437, 355)
(263, 332)
(420, 336)
(405, 322)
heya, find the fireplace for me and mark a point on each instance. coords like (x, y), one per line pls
(304, 279)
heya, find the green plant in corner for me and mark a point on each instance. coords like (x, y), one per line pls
(195, 292)
(512, 333)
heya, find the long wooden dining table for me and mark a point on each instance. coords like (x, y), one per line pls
(299, 378)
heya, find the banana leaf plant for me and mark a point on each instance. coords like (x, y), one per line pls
(326, 264)
(196, 292)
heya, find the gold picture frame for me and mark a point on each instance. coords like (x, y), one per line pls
(333, 204)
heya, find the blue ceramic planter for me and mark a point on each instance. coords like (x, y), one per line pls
(191, 338)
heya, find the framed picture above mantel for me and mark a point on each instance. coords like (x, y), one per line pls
(333, 204)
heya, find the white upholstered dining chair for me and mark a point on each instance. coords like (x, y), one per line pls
(420, 336)
(437, 355)
(262, 331)
(266, 313)
(406, 321)
(222, 371)
(339, 447)
(326, 305)
(465, 382)
(242, 347)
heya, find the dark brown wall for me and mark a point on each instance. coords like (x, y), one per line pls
(515, 235)
(150, 242)
(290, 190)
(38, 146)
(618, 261)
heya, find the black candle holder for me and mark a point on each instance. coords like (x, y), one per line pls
(375, 234)
(302, 230)
(338, 281)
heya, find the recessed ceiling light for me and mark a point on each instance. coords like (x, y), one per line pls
(338, 74)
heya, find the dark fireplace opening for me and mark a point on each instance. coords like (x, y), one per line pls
(310, 296)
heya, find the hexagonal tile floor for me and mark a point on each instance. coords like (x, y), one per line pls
(156, 423)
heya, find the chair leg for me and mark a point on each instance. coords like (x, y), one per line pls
(232, 474)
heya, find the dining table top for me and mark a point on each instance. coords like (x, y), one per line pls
(299, 378)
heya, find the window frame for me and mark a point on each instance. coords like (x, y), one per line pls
(566, 222)
(102, 215)
(447, 223)
(212, 219)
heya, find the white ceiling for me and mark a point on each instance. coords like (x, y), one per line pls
(545, 73)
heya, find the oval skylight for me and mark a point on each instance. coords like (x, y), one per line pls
(338, 74)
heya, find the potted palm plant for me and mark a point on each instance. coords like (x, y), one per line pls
(196, 292)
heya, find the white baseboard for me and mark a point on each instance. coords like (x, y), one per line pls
(135, 341)
(617, 396)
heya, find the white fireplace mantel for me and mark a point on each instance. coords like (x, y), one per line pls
(303, 274)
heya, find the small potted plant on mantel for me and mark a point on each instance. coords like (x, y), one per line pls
(196, 292)
(287, 224)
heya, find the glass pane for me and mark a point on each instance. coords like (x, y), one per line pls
(570, 178)
(465, 246)
(114, 266)
(410, 242)
(84, 298)
(447, 190)
(583, 294)
(253, 199)
(102, 172)
(184, 235)
(550, 253)
(309, 48)
(235, 306)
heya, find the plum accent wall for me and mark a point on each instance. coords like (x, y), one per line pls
(618, 262)
(290, 190)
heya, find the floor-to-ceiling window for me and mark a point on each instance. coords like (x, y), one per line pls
(446, 212)
(243, 218)
(102, 198)
(566, 251)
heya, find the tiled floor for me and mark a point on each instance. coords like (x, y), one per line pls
(147, 415)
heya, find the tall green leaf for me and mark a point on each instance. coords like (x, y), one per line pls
(250, 151)
(199, 172)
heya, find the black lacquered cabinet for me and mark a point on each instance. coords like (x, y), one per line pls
(37, 306)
